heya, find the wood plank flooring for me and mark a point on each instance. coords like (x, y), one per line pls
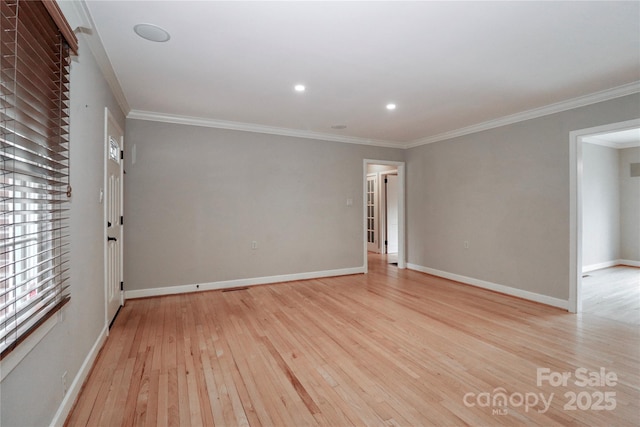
(613, 293)
(390, 348)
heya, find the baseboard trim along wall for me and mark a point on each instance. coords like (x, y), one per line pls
(612, 263)
(629, 262)
(74, 390)
(228, 284)
(531, 296)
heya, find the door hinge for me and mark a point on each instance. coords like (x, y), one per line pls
(121, 154)
(386, 243)
(385, 180)
(122, 286)
(121, 220)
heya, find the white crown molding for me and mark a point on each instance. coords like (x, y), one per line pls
(79, 17)
(582, 101)
(558, 107)
(249, 127)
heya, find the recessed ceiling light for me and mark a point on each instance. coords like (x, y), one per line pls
(151, 32)
(391, 106)
(299, 88)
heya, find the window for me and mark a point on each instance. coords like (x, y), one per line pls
(35, 46)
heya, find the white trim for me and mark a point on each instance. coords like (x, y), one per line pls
(600, 265)
(612, 263)
(558, 107)
(74, 390)
(238, 283)
(629, 262)
(531, 296)
(575, 204)
(250, 127)
(21, 351)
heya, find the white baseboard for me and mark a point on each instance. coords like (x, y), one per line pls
(607, 264)
(598, 266)
(531, 296)
(238, 283)
(629, 262)
(74, 390)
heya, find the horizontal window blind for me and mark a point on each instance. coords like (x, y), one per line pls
(34, 179)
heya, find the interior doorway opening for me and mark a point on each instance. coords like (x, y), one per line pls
(384, 219)
(578, 139)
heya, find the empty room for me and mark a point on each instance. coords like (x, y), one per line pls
(319, 213)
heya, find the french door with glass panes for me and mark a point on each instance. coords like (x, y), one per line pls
(372, 213)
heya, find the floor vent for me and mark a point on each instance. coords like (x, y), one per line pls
(235, 289)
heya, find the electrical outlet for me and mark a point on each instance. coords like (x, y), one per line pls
(254, 245)
(64, 384)
(466, 244)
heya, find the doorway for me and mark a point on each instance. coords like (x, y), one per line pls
(113, 216)
(388, 219)
(576, 140)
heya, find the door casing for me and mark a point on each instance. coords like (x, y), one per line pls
(575, 205)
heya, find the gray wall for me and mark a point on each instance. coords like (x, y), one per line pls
(65, 348)
(629, 206)
(506, 191)
(600, 204)
(197, 197)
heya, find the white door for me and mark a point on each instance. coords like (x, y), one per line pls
(391, 184)
(113, 216)
(372, 214)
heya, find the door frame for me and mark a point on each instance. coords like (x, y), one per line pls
(110, 119)
(400, 166)
(576, 138)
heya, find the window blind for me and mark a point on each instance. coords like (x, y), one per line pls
(34, 175)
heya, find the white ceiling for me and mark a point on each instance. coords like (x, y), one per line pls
(622, 139)
(447, 65)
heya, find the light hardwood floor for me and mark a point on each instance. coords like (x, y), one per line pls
(393, 347)
(613, 293)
